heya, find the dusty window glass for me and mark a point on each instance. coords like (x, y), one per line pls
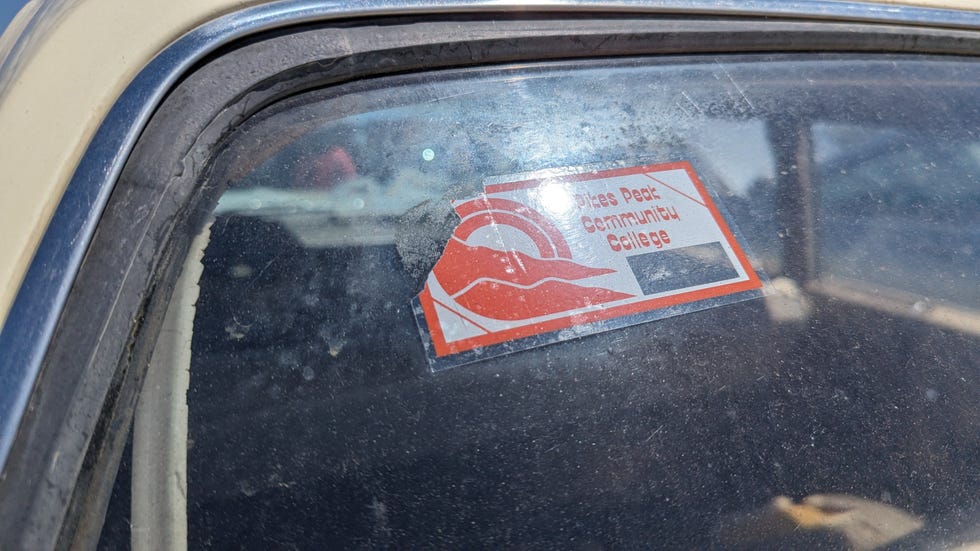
(839, 409)
(899, 206)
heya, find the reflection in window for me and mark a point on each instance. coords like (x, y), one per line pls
(900, 206)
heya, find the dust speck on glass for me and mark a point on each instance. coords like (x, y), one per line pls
(839, 410)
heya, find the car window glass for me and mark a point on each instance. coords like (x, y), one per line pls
(898, 207)
(828, 412)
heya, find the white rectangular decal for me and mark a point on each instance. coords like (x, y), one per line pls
(592, 251)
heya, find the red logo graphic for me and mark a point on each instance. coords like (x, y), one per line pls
(512, 285)
(508, 271)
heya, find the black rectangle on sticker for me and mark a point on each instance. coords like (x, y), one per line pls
(663, 271)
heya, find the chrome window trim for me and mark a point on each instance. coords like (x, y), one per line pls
(35, 311)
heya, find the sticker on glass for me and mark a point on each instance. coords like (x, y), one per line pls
(590, 251)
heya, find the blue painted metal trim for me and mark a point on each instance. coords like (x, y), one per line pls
(31, 321)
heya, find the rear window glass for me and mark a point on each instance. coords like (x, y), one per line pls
(836, 406)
